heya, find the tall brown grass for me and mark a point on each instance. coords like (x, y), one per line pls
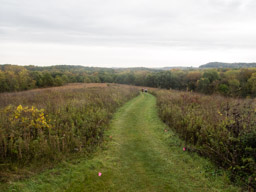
(223, 129)
(50, 124)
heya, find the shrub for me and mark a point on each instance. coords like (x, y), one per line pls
(24, 133)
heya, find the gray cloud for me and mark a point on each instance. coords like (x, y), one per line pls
(171, 25)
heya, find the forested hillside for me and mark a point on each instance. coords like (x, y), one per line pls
(228, 65)
(226, 81)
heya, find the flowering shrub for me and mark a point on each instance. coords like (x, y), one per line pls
(23, 130)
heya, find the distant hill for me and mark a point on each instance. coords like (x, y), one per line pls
(228, 65)
(175, 67)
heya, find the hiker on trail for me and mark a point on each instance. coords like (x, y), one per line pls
(144, 90)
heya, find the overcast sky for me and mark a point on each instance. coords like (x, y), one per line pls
(127, 33)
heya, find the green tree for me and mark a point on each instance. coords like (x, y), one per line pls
(211, 75)
(252, 84)
(47, 79)
(223, 89)
(58, 81)
(203, 85)
(3, 84)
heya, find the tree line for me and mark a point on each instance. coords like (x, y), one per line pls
(224, 81)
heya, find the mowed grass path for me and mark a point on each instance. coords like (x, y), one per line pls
(139, 156)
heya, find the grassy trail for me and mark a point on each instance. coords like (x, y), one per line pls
(139, 156)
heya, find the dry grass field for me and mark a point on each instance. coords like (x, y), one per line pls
(41, 126)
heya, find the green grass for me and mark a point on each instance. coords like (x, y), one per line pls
(139, 156)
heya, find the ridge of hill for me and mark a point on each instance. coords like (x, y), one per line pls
(228, 65)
